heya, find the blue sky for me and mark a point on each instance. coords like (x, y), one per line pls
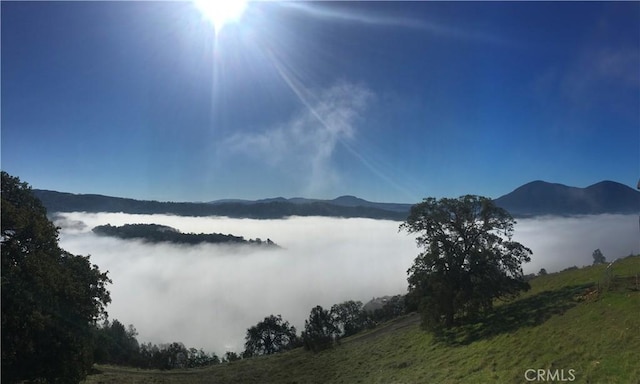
(387, 101)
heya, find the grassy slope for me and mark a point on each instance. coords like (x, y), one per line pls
(562, 323)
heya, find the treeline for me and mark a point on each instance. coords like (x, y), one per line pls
(323, 329)
(117, 344)
(68, 202)
(161, 233)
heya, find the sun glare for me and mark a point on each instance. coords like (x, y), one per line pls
(221, 12)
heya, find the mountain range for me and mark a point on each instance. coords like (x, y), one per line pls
(541, 198)
(532, 199)
(342, 201)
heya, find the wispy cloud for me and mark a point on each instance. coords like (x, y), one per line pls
(599, 69)
(330, 13)
(304, 146)
(622, 65)
(597, 79)
(322, 11)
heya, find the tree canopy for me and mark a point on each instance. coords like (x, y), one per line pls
(51, 299)
(349, 317)
(468, 257)
(598, 257)
(116, 344)
(320, 330)
(156, 233)
(269, 336)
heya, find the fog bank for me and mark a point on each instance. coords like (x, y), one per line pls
(206, 296)
(558, 243)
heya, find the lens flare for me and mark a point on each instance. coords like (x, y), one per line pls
(221, 12)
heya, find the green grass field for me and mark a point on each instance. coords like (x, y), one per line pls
(563, 323)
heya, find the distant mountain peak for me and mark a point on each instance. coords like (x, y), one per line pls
(607, 184)
(349, 199)
(544, 198)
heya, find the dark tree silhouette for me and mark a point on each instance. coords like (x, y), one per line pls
(171, 356)
(468, 258)
(116, 344)
(51, 299)
(349, 317)
(269, 336)
(156, 233)
(230, 356)
(319, 330)
(393, 308)
(199, 358)
(598, 257)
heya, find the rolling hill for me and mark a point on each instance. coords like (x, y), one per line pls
(268, 209)
(342, 201)
(532, 199)
(542, 198)
(563, 326)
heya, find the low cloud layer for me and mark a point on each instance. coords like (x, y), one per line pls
(558, 243)
(206, 296)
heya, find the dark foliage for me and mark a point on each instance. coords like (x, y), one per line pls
(231, 357)
(320, 331)
(598, 257)
(350, 318)
(199, 358)
(161, 233)
(269, 336)
(51, 299)
(394, 307)
(118, 345)
(468, 258)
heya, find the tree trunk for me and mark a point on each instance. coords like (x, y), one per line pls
(449, 310)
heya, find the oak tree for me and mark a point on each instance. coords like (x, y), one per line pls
(51, 299)
(269, 336)
(468, 258)
(320, 330)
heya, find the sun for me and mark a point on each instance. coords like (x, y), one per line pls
(221, 12)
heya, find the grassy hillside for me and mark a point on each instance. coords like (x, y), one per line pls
(562, 323)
